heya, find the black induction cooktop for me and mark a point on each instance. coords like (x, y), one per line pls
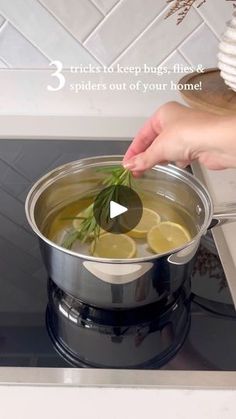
(209, 341)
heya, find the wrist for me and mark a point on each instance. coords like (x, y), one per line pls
(211, 139)
(220, 146)
(226, 139)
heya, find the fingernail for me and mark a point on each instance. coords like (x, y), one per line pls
(130, 165)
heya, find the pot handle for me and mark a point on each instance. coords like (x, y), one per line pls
(224, 214)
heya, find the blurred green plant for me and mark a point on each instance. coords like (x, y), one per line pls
(115, 176)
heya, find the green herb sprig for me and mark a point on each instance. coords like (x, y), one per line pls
(116, 176)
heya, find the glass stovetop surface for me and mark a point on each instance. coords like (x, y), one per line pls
(24, 341)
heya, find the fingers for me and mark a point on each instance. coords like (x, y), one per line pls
(157, 141)
(164, 149)
(148, 158)
(144, 138)
(182, 164)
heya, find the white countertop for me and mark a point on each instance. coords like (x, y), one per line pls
(113, 403)
(28, 110)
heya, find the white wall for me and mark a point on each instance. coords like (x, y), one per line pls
(34, 32)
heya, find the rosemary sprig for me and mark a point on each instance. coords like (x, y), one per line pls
(116, 176)
(71, 237)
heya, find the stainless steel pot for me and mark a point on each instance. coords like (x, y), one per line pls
(119, 283)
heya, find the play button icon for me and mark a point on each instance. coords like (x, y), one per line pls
(117, 209)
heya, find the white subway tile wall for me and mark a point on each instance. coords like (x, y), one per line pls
(34, 32)
(45, 32)
(151, 48)
(78, 17)
(216, 13)
(18, 51)
(114, 35)
(198, 50)
(170, 63)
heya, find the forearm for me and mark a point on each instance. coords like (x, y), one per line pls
(227, 140)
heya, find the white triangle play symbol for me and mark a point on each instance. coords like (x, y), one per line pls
(116, 209)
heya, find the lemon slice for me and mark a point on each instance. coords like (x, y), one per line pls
(167, 236)
(114, 246)
(149, 219)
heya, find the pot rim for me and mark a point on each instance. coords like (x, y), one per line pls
(61, 171)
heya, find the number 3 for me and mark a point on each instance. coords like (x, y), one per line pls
(58, 74)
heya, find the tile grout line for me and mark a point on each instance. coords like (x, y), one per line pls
(218, 37)
(14, 222)
(14, 169)
(103, 20)
(215, 34)
(63, 25)
(177, 47)
(15, 197)
(97, 7)
(12, 244)
(184, 56)
(12, 196)
(104, 12)
(167, 56)
(190, 35)
(198, 10)
(5, 23)
(29, 40)
(132, 43)
(92, 55)
(153, 22)
(52, 14)
(6, 63)
(15, 245)
(69, 33)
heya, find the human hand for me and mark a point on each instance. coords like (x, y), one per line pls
(179, 134)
